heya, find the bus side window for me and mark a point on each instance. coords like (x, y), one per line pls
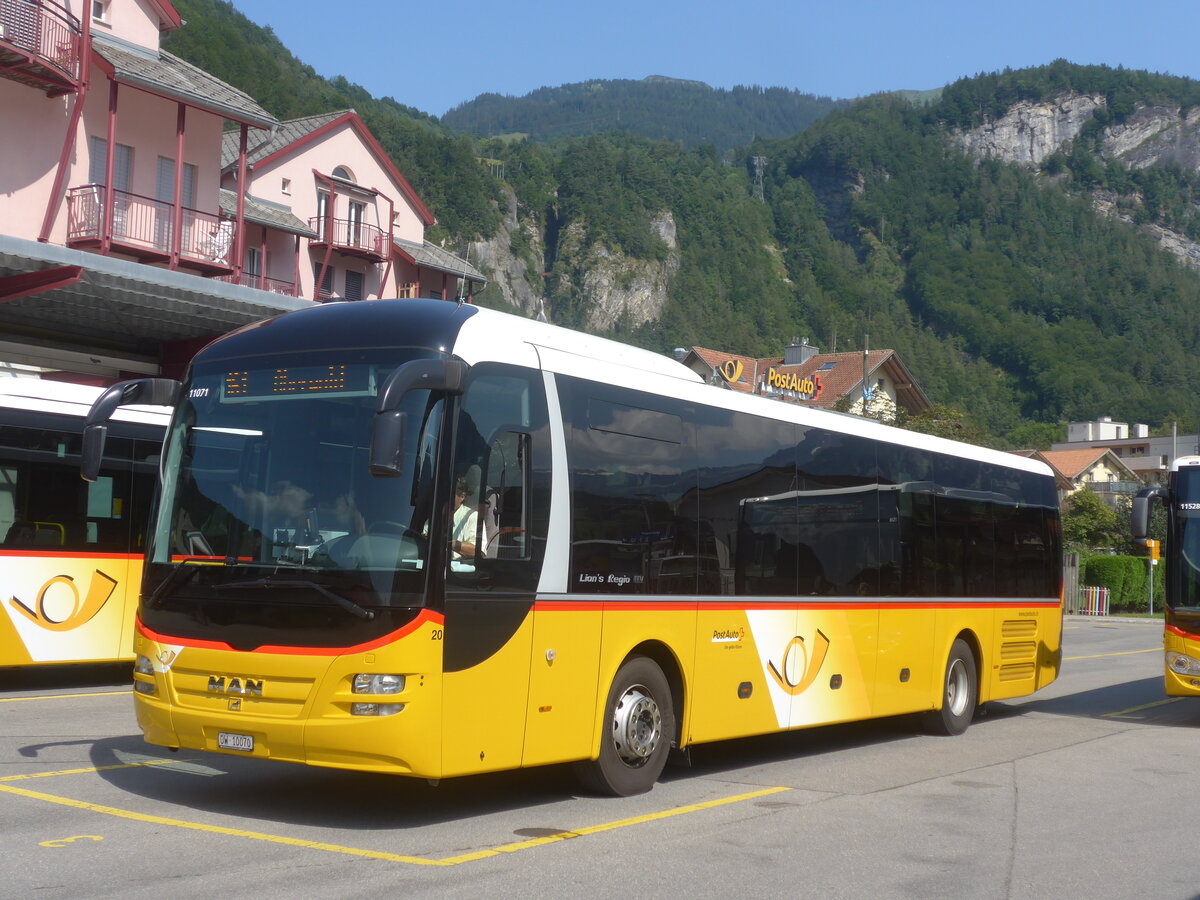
(504, 497)
(501, 424)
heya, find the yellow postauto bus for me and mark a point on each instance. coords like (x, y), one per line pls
(425, 538)
(70, 552)
(1181, 590)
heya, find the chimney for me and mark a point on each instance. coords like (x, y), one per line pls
(798, 352)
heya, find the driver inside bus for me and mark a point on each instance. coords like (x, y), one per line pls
(465, 526)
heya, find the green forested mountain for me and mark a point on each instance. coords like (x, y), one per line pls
(658, 108)
(1002, 287)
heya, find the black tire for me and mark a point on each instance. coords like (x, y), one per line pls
(639, 719)
(960, 693)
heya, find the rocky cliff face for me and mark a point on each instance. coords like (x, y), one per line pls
(516, 275)
(612, 288)
(1030, 132)
(616, 288)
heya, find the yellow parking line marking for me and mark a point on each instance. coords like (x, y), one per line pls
(377, 854)
(65, 696)
(1134, 709)
(1120, 653)
(145, 762)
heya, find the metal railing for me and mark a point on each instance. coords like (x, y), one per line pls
(262, 283)
(142, 222)
(350, 234)
(1115, 487)
(46, 30)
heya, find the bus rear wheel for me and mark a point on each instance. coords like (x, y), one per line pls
(639, 720)
(960, 693)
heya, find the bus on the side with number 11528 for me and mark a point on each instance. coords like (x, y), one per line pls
(425, 538)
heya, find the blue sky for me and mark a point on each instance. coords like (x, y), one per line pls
(435, 55)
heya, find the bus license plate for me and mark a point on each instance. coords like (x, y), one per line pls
(228, 741)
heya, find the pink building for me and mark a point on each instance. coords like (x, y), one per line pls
(330, 215)
(127, 238)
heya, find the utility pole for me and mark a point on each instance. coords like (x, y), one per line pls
(760, 165)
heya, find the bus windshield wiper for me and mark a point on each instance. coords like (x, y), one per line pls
(270, 583)
(177, 578)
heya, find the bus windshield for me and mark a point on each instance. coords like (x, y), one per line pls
(266, 477)
(1184, 576)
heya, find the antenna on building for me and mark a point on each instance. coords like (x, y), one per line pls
(760, 164)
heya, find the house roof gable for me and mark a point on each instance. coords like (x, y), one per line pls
(294, 135)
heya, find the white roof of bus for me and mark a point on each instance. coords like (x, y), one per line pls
(63, 398)
(492, 335)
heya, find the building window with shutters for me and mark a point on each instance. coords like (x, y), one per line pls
(325, 289)
(354, 285)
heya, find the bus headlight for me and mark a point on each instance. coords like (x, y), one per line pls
(375, 709)
(1182, 664)
(143, 665)
(366, 683)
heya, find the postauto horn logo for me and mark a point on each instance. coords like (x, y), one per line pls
(50, 611)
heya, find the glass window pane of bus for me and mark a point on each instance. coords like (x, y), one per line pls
(283, 480)
(837, 514)
(46, 505)
(628, 484)
(1184, 562)
(745, 469)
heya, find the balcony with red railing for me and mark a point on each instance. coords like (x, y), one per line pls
(262, 283)
(351, 237)
(40, 45)
(144, 228)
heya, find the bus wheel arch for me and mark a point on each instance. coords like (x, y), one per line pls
(639, 724)
(959, 688)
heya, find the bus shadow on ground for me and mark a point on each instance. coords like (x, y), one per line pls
(272, 791)
(266, 791)
(52, 678)
(1141, 701)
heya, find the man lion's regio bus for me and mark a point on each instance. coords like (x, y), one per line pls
(1181, 590)
(70, 552)
(648, 562)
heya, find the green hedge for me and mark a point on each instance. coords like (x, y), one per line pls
(1125, 577)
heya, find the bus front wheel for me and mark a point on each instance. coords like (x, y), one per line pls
(639, 720)
(960, 693)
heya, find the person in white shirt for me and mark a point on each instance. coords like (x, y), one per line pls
(465, 526)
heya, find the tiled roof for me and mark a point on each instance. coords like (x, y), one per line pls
(263, 212)
(287, 133)
(430, 256)
(167, 74)
(1073, 463)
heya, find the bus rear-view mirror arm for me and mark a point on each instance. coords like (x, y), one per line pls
(387, 431)
(1139, 524)
(138, 392)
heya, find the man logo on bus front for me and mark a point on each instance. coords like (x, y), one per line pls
(808, 671)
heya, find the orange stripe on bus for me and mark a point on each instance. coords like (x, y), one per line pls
(425, 616)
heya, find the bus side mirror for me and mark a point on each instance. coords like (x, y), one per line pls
(387, 441)
(138, 392)
(387, 431)
(1139, 524)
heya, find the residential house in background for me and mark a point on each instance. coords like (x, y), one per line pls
(1147, 457)
(1097, 469)
(878, 378)
(331, 216)
(132, 230)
